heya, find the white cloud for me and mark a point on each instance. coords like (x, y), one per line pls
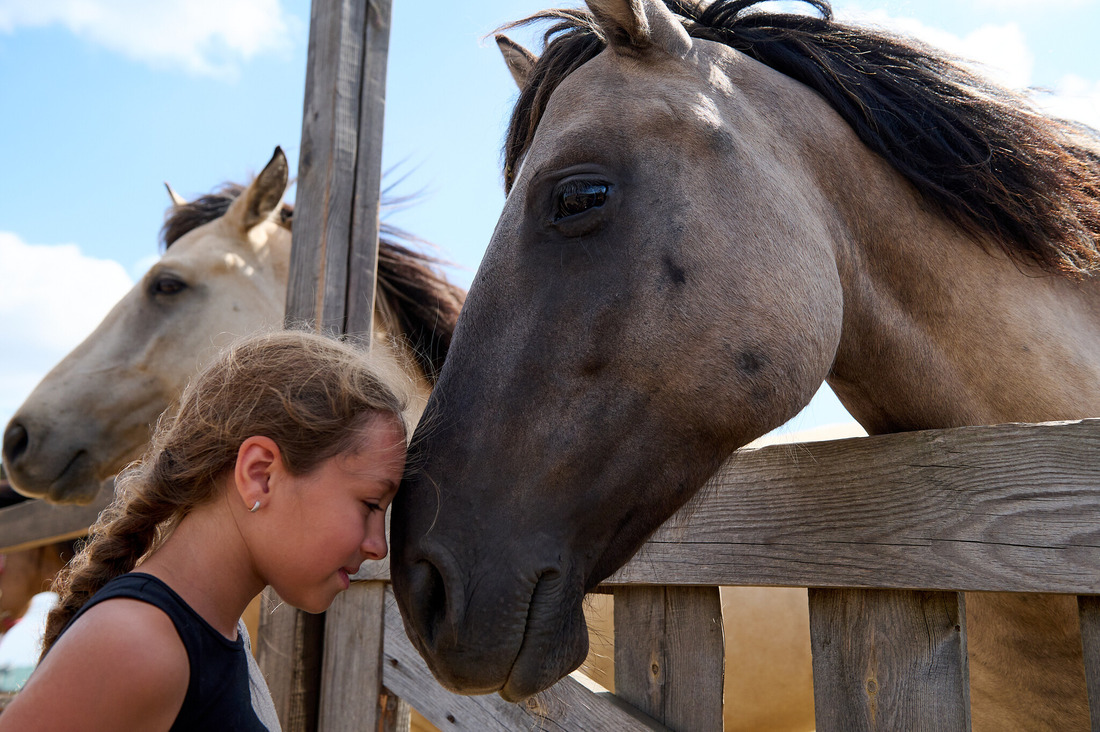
(208, 37)
(1000, 52)
(1073, 98)
(51, 297)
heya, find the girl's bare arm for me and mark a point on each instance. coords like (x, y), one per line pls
(121, 666)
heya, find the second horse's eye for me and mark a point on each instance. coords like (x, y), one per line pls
(580, 196)
(168, 285)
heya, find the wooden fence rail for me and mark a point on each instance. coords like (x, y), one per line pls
(887, 527)
(1010, 508)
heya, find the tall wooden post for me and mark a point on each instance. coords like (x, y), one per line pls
(333, 266)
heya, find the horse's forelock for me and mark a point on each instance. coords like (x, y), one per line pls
(572, 40)
(979, 153)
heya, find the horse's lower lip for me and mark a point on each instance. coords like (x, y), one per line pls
(543, 656)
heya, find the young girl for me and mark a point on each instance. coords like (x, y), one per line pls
(276, 470)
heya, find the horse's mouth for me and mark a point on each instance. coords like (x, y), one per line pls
(76, 483)
(554, 641)
(515, 639)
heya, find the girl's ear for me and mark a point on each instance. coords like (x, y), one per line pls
(258, 459)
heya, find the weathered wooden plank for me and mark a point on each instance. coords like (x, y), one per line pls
(317, 289)
(336, 216)
(574, 703)
(318, 266)
(353, 647)
(1002, 508)
(1007, 508)
(292, 674)
(889, 660)
(366, 212)
(1089, 613)
(36, 523)
(669, 654)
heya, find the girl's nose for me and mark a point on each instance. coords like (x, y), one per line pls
(374, 543)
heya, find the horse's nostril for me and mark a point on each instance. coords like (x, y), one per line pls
(430, 603)
(16, 440)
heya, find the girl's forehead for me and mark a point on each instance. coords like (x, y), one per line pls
(379, 451)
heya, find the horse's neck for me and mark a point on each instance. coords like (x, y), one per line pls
(939, 332)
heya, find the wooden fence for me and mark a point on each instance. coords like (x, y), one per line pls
(895, 525)
(886, 530)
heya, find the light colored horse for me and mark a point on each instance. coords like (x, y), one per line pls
(223, 274)
(711, 211)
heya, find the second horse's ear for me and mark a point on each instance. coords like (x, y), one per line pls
(520, 61)
(263, 196)
(177, 199)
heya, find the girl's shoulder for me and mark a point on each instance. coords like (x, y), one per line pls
(139, 675)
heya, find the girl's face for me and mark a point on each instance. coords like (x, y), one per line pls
(333, 519)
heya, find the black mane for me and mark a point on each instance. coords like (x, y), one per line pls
(980, 154)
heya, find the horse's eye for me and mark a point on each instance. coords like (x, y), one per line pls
(167, 285)
(578, 197)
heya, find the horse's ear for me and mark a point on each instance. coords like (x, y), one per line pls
(177, 199)
(263, 196)
(633, 26)
(519, 60)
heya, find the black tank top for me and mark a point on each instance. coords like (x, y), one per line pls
(218, 695)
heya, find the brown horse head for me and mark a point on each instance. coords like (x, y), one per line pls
(711, 211)
(600, 426)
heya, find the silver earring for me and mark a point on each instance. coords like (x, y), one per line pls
(255, 507)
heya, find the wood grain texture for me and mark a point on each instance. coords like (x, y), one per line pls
(352, 648)
(669, 654)
(1006, 508)
(1002, 508)
(1089, 614)
(571, 704)
(889, 660)
(334, 249)
(334, 246)
(316, 291)
(366, 208)
(288, 652)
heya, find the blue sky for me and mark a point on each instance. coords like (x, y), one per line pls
(103, 100)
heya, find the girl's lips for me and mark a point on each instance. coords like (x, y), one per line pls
(344, 578)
